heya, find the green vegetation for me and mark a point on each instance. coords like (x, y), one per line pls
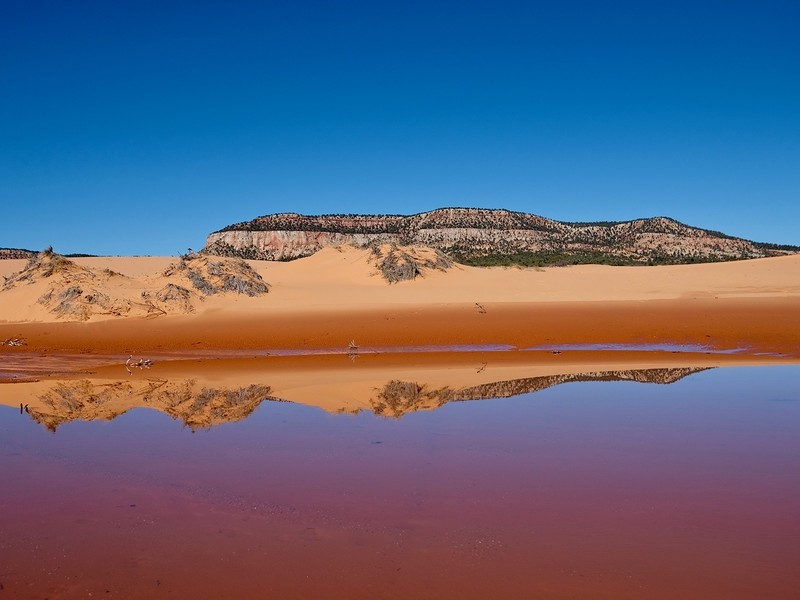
(562, 259)
(543, 259)
(778, 247)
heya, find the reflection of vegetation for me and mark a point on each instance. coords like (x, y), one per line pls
(213, 406)
(77, 400)
(201, 407)
(515, 387)
(400, 397)
(87, 401)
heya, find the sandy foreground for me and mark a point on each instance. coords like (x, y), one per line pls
(322, 303)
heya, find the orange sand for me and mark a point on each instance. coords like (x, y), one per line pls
(335, 296)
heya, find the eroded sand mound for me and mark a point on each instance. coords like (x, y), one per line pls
(213, 275)
(71, 291)
(51, 284)
(404, 263)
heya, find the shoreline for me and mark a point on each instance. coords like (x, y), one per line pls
(322, 303)
(756, 324)
(101, 387)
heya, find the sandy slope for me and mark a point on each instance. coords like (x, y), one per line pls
(346, 279)
(325, 300)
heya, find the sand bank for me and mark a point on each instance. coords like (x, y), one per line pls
(335, 296)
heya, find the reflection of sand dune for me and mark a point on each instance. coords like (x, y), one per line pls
(401, 397)
(196, 406)
(200, 405)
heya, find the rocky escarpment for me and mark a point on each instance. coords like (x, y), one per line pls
(483, 236)
(16, 253)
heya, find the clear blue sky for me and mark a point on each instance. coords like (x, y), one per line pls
(140, 127)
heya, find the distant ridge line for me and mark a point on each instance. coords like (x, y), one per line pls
(489, 237)
(12, 253)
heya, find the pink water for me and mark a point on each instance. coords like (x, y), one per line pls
(592, 490)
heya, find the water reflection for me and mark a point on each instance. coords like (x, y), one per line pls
(398, 398)
(199, 405)
(600, 489)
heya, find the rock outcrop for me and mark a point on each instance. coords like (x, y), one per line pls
(74, 292)
(16, 253)
(484, 236)
(406, 263)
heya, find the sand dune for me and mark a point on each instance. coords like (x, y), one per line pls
(155, 305)
(52, 287)
(349, 277)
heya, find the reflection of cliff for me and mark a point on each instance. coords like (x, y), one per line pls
(397, 398)
(197, 408)
(505, 389)
(200, 406)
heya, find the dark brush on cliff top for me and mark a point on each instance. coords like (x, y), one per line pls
(488, 237)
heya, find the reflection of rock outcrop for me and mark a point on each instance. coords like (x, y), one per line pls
(198, 408)
(400, 397)
(397, 398)
(506, 389)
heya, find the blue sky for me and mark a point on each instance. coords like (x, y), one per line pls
(140, 127)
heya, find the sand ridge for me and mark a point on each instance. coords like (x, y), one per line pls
(337, 295)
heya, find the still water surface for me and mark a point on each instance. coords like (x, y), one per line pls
(583, 490)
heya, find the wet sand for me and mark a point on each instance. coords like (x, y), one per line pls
(766, 325)
(335, 296)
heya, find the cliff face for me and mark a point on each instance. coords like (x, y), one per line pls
(472, 235)
(16, 253)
